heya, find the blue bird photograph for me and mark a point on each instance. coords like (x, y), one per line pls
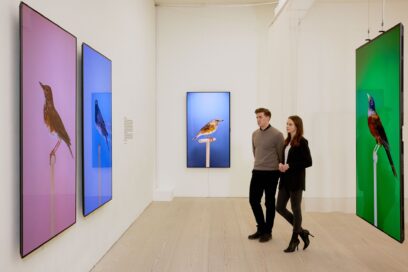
(101, 130)
(208, 120)
(97, 129)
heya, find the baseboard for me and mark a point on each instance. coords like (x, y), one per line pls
(309, 204)
(160, 194)
(346, 205)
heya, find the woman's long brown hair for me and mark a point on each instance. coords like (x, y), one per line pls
(299, 131)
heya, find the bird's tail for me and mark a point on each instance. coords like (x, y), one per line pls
(70, 150)
(387, 150)
(107, 142)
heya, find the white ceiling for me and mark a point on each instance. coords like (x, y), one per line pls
(213, 2)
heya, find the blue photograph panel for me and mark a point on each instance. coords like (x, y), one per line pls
(97, 129)
(208, 129)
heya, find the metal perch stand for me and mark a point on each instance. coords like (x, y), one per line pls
(99, 176)
(52, 195)
(375, 160)
(208, 142)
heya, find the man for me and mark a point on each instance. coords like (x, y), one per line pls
(267, 147)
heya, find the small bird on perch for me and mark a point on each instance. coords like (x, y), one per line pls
(378, 132)
(100, 123)
(209, 128)
(54, 122)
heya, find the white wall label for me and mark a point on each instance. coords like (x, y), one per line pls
(128, 129)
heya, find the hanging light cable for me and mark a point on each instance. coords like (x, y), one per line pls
(382, 17)
(368, 21)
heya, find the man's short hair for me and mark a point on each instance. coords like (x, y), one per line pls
(265, 111)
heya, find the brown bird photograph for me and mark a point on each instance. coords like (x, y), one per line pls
(53, 121)
(208, 128)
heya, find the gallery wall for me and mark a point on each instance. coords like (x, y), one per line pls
(125, 32)
(207, 49)
(313, 72)
(300, 62)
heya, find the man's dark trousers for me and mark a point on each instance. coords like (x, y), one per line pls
(263, 181)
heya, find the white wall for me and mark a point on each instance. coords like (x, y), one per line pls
(312, 59)
(125, 32)
(303, 63)
(207, 49)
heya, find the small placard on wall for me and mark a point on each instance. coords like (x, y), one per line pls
(128, 129)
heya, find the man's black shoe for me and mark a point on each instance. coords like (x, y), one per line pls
(255, 236)
(265, 237)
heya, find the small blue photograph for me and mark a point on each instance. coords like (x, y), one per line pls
(208, 129)
(97, 129)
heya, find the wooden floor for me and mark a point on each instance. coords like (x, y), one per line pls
(210, 234)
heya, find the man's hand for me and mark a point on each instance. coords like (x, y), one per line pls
(283, 167)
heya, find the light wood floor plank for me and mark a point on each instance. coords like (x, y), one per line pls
(210, 234)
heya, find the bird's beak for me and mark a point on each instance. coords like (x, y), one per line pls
(42, 86)
(368, 96)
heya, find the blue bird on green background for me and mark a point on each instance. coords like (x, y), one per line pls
(378, 132)
(100, 123)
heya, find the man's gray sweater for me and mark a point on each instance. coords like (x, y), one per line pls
(267, 146)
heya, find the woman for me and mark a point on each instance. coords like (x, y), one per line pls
(296, 159)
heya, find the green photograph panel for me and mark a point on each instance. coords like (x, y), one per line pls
(379, 121)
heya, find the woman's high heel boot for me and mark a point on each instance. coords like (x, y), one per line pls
(304, 234)
(293, 244)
